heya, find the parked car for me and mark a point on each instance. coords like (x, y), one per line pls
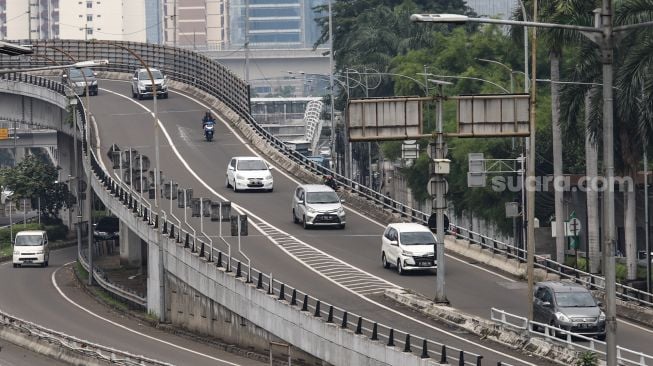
(568, 306)
(141, 85)
(31, 247)
(317, 205)
(408, 247)
(249, 172)
(107, 228)
(76, 79)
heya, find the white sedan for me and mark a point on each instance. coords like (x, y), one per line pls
(249, 172)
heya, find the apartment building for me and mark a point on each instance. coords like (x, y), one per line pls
(274, 23)
(493, 8)
(73, 19)
(197, 24)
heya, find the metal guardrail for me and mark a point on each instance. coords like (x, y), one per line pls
(103, 280)
(577, 341)
(85, 348)
(294, 297)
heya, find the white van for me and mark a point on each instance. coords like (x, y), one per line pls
(408, 246)
(31, 247)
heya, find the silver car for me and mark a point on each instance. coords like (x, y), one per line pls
(141, 85)
(317, 205)
(569, 306)
(77, 79)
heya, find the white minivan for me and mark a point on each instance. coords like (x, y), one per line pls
(31, 247)
(408, 246)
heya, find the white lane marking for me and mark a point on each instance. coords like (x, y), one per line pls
(208, 187)
(54, 283)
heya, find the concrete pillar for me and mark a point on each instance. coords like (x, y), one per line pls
(153, 285)
(130, 247)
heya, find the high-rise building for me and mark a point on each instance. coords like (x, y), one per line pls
(493, 8)
(274, 23)
(73, 19)
(198, 24)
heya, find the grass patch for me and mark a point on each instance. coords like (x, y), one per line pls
(82, 273)
(103, 295)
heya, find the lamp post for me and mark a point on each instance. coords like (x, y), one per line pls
(331, 79)
(510, 70)
(157, 178)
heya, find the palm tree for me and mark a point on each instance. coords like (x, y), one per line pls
(562, 12)
(633, 95)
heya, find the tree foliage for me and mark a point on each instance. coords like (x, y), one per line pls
(32, 179)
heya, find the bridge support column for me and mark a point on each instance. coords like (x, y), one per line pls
(153, 284)
(130, 247)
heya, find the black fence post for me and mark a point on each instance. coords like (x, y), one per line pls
(317, 309)
(359, 326)
(375, 335)
(391, 338)
(282, 292)
(219, 263)
(293, 298)
(407, 344)
(259, 284)
(443, 355)
(238, 274)
(461, 359)
(330, 316)
(305, 303)
(343, 325)
(425, 351)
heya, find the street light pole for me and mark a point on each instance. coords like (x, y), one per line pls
(333, 120)
(607, 53)
(530, 173)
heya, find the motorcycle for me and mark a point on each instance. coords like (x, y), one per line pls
(208, 131)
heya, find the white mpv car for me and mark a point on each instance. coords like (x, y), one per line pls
(249, 172)
(408, 246)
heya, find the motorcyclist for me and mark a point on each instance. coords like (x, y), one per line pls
(208, 118)
(329, 181)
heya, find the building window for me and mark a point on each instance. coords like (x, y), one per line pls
(89, 31)
(89, 4)
(89, 18)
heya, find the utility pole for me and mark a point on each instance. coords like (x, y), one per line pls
(607, 55)
(247, 41)
(29, 21)
(530, 175)
(333, 119)
(440, 168)
(174, 24)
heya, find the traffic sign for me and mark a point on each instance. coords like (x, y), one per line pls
(4, 133)
(573, 227)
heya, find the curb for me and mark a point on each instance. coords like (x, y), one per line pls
(485, 329)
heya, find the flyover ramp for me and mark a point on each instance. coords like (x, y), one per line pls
(358, 244)
(279, 210)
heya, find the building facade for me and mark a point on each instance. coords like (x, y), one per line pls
(197, 24)
(73, 19)
(274, 24)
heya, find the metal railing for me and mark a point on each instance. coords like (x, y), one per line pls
(577, 341)
(266, 282)
(82, 347)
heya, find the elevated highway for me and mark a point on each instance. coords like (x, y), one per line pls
(314, 259)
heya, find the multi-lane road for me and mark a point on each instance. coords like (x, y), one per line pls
(342, 266)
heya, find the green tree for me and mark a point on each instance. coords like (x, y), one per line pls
(33, 179)
(633, 103)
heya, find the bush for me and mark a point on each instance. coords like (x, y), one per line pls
(587, 358)
(55, 231)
